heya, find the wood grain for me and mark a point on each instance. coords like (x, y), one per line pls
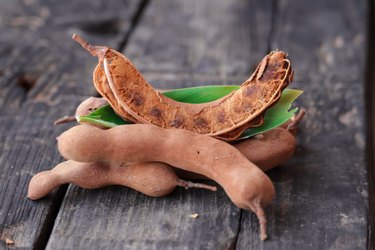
(322, 192)
(39, 82)
(176, 44)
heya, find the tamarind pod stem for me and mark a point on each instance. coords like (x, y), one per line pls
(65, 119)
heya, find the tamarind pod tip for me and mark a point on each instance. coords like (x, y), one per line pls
(93, 50)
(262, 223)
(294, 121)
(40, 185)
(64, 119)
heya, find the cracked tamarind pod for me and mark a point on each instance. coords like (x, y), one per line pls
(127, 90)
(102, 85)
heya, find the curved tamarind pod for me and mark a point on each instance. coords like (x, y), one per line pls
(136, 96)
(245, 184)
(235, 110)
(151, 178)
(101, 84)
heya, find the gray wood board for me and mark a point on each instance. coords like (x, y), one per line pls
(322, 192)
(201, 42)
(370, 111)
(176, 44)
(43, 76)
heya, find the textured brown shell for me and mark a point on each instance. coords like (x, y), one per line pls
(237, 109)
(134, 99)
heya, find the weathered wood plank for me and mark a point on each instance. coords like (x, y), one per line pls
(39, 82)
(124, 219)
(177, 44)
(370, 111)
(195, 42)
(322, 192)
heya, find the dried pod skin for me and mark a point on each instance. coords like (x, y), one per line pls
(128, 91)
(139, 99)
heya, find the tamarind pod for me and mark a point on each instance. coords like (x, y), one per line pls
(245, 184)
(235, 110)
(151, 178)
(103, 88)
(146, 105)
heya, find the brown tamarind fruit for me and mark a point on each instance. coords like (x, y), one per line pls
(151, 178)
(131, 95)
(245, 184)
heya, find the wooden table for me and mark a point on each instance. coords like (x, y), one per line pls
(322, 193)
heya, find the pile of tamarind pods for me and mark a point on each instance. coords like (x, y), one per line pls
(169, 137)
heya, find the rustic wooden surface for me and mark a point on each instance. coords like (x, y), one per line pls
(322, 197)
(39, 83)
(323, 189)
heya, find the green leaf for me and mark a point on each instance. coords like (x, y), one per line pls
(104, 116)
(274, 117)
(200, 94)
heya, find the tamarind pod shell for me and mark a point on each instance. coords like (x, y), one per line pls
(146, 105)
(151, 178)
